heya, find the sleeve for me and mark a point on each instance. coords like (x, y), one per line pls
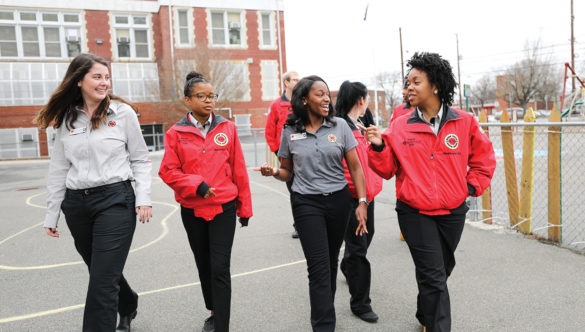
(140, 162)
(270, 132)
(482, 160)
(383, 161)
(58, 169)
(284, 150)
(349, 140)
(171, 171)
(240, 178)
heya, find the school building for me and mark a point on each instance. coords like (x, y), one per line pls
(151, 46)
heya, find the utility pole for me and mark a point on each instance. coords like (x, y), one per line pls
(459, 71)
(402, 55)
(572, 48)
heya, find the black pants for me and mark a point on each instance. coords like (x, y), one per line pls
(321, 222)
(102, 221)
(211, 243)
(355, 265)
(432, 241)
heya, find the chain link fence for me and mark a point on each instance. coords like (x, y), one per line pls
(528, 209)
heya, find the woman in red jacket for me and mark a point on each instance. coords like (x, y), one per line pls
(204, 164)
(440, 156)
(352, 106)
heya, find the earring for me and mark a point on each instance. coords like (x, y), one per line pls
(435, 92)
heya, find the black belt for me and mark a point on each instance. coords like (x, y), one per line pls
(98, 189)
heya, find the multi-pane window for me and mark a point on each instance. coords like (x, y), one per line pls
(231, 80)
(184, 27)
(36, 34)
(132, 36)
(226, 28)
(267, 30)
(270, 82)
(136, 81)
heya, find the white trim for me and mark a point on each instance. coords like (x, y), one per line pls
(190, 26)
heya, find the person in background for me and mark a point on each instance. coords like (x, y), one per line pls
(98, 151)
(313, 147)
(204, 165)
(439, 156)
(277, 115)
(400, 110)
(352, 106)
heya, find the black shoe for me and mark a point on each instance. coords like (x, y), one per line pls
(209, 325)
(369, 317)
(124, 325)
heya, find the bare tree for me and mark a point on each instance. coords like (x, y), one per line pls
(483, 91)
(533, 78)
(391, 83)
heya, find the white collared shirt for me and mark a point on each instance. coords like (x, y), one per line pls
(85, 158)
(203, 128)
(435, 122)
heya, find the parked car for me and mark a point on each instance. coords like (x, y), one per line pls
(519, 113)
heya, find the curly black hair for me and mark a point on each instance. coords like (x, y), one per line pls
(439, 73)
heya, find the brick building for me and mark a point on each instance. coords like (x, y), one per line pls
(151, 46)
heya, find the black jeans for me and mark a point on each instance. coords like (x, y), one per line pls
(211, 243)
(102, 221)
(321, 221)
(432, 241)
(355, 265)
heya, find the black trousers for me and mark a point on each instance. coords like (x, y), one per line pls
(432, 241)
(102, 221)
(355, 265)
(211, 243)
(321, 221)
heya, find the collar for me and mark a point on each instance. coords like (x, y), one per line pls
(198, 124)
(284, 98)
(437, 117)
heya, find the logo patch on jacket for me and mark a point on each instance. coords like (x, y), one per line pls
(111, 123)
(452, 141)
(332, 138)
(221, 139)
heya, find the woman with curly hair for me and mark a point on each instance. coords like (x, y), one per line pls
(440, 156)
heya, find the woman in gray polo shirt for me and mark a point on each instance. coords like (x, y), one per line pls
(312, 147)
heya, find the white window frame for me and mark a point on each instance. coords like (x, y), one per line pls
(190, 28)
(64, 28)
(231, 79)
(270, 83)
(271, 29)
(132, 29)
(226, 29)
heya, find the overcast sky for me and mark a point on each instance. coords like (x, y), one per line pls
(330, 37)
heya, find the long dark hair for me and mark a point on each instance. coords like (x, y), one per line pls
(300, 116)
(68, 96)
(439, 73)
(349, 94)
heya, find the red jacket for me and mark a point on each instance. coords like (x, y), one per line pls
(279, 111)
(400, 110)
(373, 180)
(191, 164)
(433, 171)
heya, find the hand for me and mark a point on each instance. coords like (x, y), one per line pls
(144, 213)
(52, 231)
(210, 192)
(244, 221)
(361, 215)
(372, 134)
(267, 170)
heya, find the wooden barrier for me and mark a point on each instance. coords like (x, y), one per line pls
(510, 169)
(527, 174)
(554, 178)
(486, 197)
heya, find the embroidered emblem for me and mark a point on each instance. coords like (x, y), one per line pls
(332, 138)
(111, 123)
(452, 141)
(221, 139)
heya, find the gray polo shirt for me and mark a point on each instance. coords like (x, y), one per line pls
(317, 159)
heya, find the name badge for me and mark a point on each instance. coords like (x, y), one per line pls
(77, 131)
(294, 137)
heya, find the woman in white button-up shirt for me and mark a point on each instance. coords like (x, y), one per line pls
(98, 151)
